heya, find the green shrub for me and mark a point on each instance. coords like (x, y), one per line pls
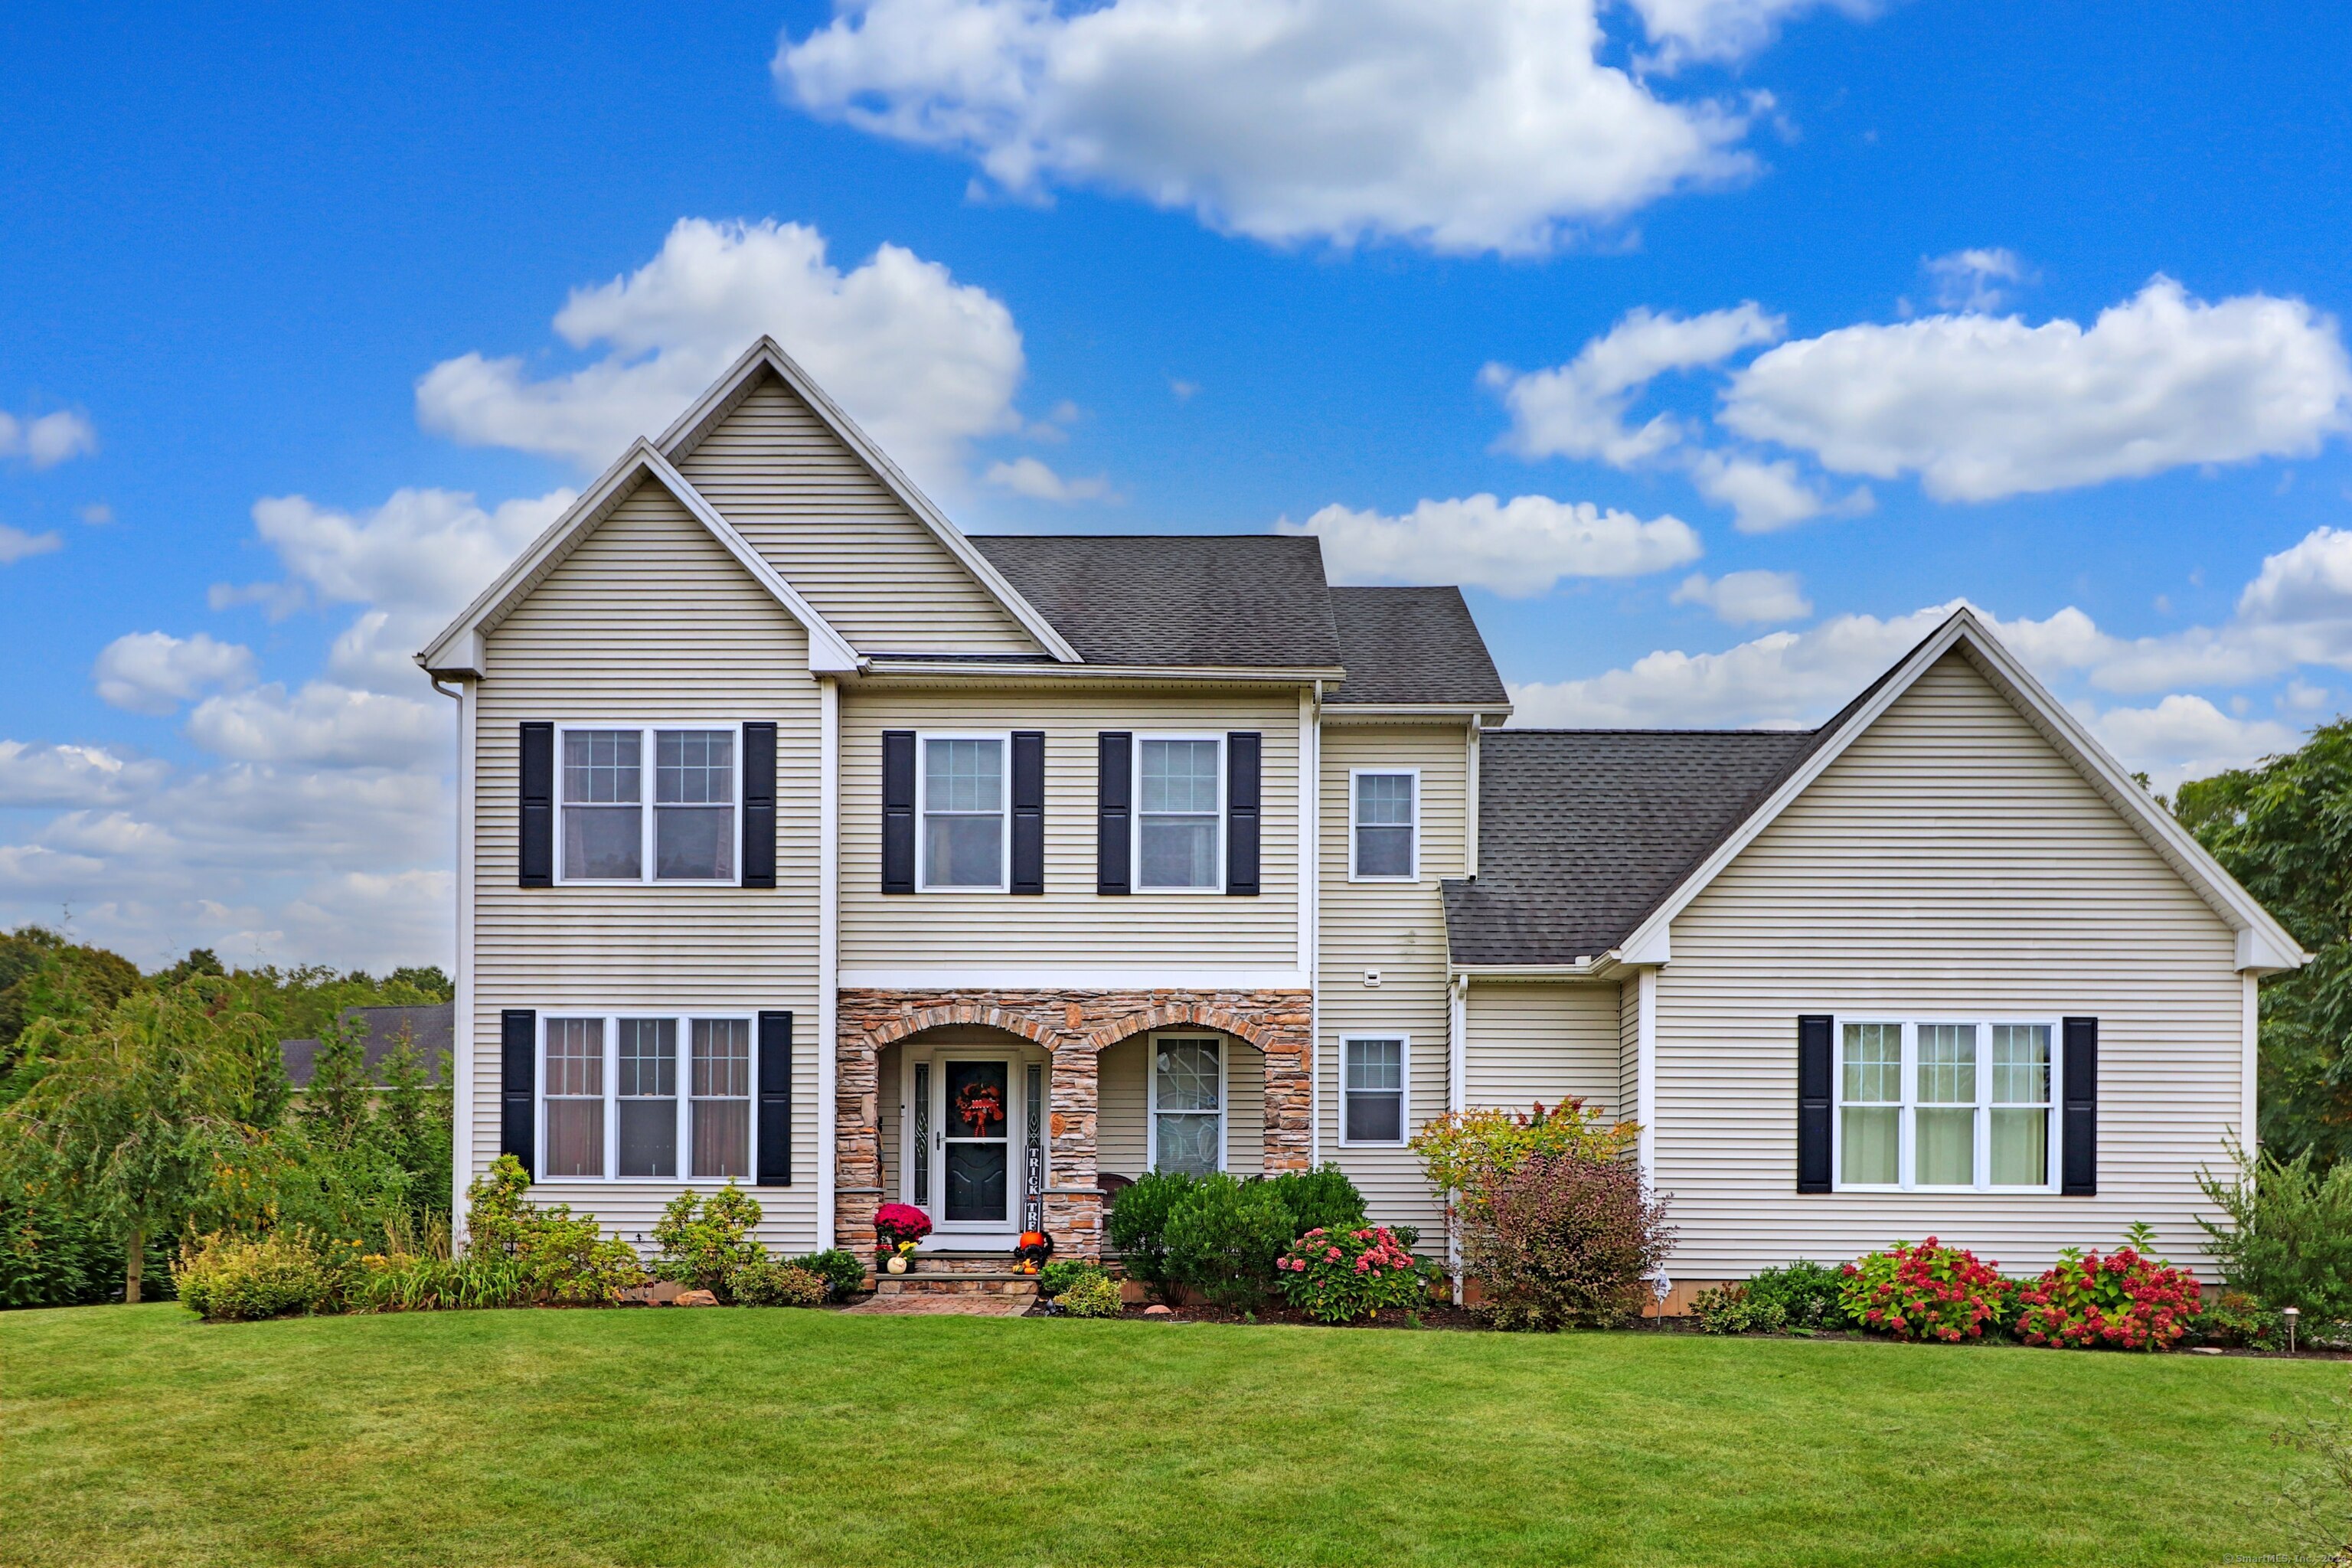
(1734, 1308)
(235, 1278)
(1223, 1237)
(1064, 1272)
(1340, 1276)
(1800, 1298)
(2286, 1237)
(1565, 1240)
(704, 1250)
(2235, 1318)
(1139, 1227)
(567, 1261)
(843, 1272)
(765, 1282)
(1094, 1296)
(1320, 1199)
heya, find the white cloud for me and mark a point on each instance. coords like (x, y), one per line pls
(1981, 407)
(48, 440)
(1028, 476)
(1478, 125)
(1516, 548)
(155, 672)
(71, 776)
(1578, 409)
(1747, 598)
(16, 544)
(923, 362)
(1971, 280)
(2186, 737)
(323, 724)
(1724, 29)
(1767, 496)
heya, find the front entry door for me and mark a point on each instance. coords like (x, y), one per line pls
(973, 1108)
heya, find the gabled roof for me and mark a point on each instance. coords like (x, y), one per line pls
(1734, 785)
(767, 357)
(459, 649)
(1193, 600)
(1412, 648)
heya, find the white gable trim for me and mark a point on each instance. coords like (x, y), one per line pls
(2263, 945)
(690, 426)
(461, 649)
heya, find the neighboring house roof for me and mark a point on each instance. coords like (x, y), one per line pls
(1412, 648)
(1583, 832)
(1192, 600)
(1544, 895)
(432, 1031)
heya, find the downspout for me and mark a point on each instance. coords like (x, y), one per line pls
(828, 951)
(461, 1035)
(1311, 905)
(1457, 1030)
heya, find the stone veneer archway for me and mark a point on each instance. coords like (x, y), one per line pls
(1075, 1025)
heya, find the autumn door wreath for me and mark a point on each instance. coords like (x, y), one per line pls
(977, 1105)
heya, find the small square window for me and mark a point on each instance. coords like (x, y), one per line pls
(1384, 826)
(1372, 1090)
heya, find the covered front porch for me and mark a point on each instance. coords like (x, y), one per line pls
(1000, 1112)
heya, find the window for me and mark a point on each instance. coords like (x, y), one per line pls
(1371, 1090)
(612, 833)
(1180, 813)
(1945, 1103)
(625, 1094)
(1385, 818)
(1188, 1105)
(963, 808)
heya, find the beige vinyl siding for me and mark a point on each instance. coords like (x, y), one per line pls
(1950, 864)
(834, 530)
(1629, 1049)
(1399, 929)
(1070, 927)
(649, 620)
(1541, 1042)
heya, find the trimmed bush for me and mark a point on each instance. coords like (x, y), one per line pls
(1223, 1237)
(1800, 1298)
(235, 1278)
(1139, 1227)
(1929, 1292)
(1094, 1296)
(1064, 1272)
(1340, 1276)
(2124, 1299)
(1566, 1240)
(763, 1281)
(706, 1242)
(1733, 1309)
(570, 1262)
(843, 1272)
(1320, 1199)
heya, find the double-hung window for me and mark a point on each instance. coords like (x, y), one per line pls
(1188, 1104)
(1180, 813)
(624, 1096)
(1371, 1089)
(1946, 1104)
(1384, 825)
(619, 825)
(961, 805)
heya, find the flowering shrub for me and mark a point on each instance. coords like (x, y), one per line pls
(1927, 1292)
(2124, 1298)
(1338, 1276)
(898, 1223)
(1566, 1240)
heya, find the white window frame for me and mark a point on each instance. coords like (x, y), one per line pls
(1151, 1092)
(1135, 825)
(1355, 875)
(923, 739)
(1404, 1088)
(611, 1017)
(647, 746)
(1906, 1120)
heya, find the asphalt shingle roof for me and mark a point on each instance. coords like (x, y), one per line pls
(1412, 645)
(1255, 599)
(432, 1030)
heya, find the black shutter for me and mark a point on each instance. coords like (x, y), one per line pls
(518, 1056)
(1242, 749)
(2079, 1128)
(898, 811)
(760, 805)
(1816, 1075)
(776, 1100)
(1114, 799)
(535, 849)
(1029, 811)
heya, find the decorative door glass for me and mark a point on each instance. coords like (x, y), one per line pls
(976, 1162)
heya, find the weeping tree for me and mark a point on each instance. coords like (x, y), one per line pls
(142, 1109)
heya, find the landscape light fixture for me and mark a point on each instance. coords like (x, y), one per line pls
(2290, 1314)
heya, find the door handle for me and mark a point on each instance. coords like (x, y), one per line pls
(939, 1138)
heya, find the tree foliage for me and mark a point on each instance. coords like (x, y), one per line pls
(2283, 829)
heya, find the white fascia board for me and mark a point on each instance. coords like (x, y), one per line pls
(462, 650)
(1071, 978)
(2262, 942)
(1389, 712)
(883, 669)
(767, 353)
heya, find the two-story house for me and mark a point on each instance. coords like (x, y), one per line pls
(808, 842)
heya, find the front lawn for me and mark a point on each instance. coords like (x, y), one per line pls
(140, 1435)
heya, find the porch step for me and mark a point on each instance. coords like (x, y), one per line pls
(994, 1264)
(966, 1284)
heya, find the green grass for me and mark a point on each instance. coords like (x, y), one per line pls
(139, 1435)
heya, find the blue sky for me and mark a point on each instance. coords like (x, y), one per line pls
(1791, 321)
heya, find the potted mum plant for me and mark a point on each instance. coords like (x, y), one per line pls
(898, 1228)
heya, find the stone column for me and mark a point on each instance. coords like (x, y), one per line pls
(856, 1140)
(1073, 1202)
(1289, 1103)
